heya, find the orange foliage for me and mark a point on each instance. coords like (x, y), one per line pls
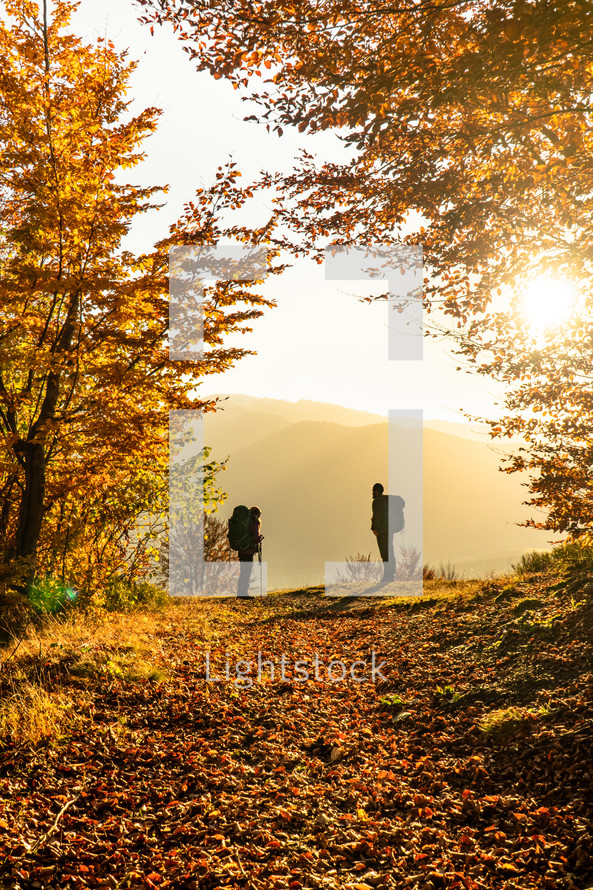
(473, 114)
(85, 378)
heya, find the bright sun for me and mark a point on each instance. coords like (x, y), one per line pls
(548, 302)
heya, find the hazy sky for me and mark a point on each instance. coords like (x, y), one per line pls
(320, 342)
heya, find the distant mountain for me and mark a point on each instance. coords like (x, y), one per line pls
(235, 405)
(311, 467)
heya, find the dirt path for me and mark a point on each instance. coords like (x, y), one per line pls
(470, 765)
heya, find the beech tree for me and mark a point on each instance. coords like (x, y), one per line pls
(85, 378)
(475, 115)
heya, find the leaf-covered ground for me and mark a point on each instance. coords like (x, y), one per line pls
(470, 766)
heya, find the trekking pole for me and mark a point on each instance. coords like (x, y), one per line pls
(261, 583)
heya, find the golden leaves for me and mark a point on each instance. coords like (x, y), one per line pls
(84, 369)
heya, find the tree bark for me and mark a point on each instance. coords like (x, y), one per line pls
(31, 507)
(34, 459)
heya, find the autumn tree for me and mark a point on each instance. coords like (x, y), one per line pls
(85, 377)
(472, 117)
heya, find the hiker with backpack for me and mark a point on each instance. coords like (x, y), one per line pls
(244, 537)
(387, 520)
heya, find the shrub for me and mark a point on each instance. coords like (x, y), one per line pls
(447, 694)
(121, 594)
(49, 596)
(408, 564)
(443, 573)
(393, 701)
(360, 568)
(533, 561)
(574, 558)
(447, 572)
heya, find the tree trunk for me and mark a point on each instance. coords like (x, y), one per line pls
(33, 458)
(31, 509)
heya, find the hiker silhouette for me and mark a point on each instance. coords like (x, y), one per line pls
(246, 554)
(387, 520)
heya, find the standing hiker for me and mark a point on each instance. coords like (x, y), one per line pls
(245, 537)
(388, 519)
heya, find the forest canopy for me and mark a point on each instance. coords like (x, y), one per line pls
(474, 117)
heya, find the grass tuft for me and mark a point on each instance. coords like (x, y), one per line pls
(506, 722)
(132, 669)
(31, 716)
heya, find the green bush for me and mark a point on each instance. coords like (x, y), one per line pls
(574, 557)
(121, 594)
(447, 694)
(49, 596)
(393, 701)
(534, 561)
(571, 558)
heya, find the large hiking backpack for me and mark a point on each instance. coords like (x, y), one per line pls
(396, 514)
(239, 536)
(390, 513)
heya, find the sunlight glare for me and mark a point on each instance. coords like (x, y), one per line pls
(548, 302)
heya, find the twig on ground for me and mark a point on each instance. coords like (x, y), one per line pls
(243, 872)
(40, 841)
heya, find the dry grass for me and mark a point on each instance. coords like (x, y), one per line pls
(131, 668)
(31, 715)
(129, 647)
(140, 632)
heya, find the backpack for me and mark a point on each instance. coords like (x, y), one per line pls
(396, 514)
(239, 536)
(390, 513)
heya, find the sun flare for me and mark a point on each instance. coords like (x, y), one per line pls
(548, 302)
